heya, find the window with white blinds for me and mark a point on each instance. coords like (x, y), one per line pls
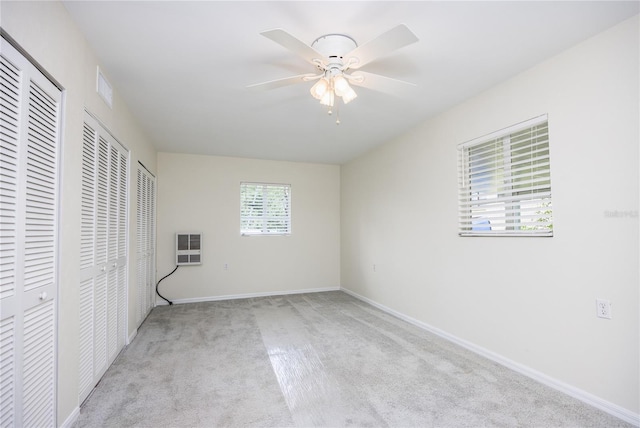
(265, 209)
(505, 182)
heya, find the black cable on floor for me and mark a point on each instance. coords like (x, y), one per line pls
(158, 293)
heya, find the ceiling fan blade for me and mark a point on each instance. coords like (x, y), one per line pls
(380, 83)
(295, 45)
(385, 43)
(278, 83)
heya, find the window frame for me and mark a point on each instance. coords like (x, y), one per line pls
(495, 186)
(266, 216)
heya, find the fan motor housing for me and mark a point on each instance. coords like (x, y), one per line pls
(334, 45)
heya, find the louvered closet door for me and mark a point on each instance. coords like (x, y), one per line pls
(29, 139)
(145, 234)
(103, 253)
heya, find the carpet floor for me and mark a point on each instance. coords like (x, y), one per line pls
(313, 360)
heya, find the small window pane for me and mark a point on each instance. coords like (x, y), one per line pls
(265, 209)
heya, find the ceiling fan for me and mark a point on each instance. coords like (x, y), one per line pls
(338, 59)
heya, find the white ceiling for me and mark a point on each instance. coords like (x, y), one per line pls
(182, 67)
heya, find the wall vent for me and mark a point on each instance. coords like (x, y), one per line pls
(188, 249)
(104, 89)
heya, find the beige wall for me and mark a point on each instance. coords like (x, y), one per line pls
(202, 194)
(47, 33)
(529, 300)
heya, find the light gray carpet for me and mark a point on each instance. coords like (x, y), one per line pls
(319, 359)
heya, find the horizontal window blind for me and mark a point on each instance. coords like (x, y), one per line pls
(505, 182)
(265, 209)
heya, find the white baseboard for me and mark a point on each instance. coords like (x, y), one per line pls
(71, 419)
(584, 396)
(132, 336)
(247, 295)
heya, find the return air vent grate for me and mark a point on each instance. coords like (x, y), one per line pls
(188, 249)
(103, 87)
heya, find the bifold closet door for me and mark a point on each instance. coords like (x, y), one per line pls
(146, 237)
(103, 253)
(29, 137)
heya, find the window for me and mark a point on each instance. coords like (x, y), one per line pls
(505, 182)
(265, 209)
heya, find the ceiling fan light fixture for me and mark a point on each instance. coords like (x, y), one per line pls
(341, 86)
(349, 96)
(319, 89)
(327, 88)
(328, 99)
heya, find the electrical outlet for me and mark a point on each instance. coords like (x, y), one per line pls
(226, 266)
(603, 308)
(374, 267)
